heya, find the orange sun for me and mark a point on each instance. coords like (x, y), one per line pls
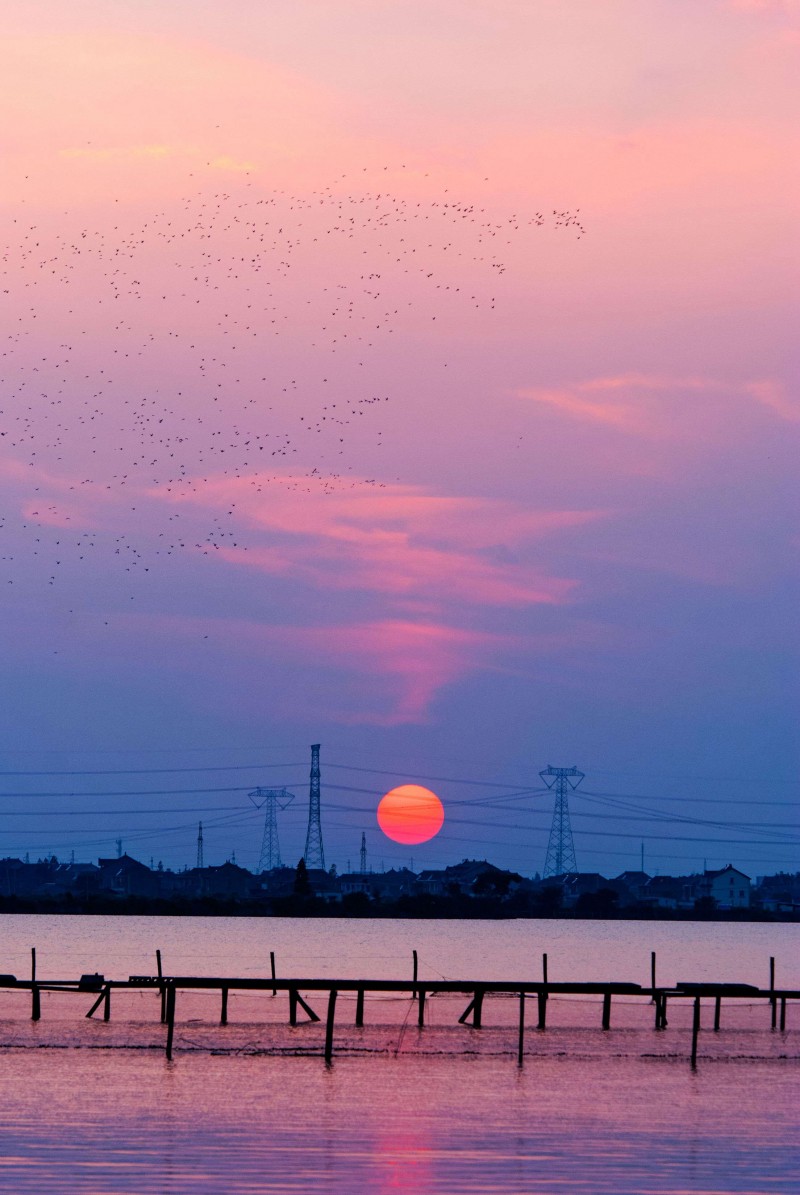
(410, 814)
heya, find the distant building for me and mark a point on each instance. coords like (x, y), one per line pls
(728, 887)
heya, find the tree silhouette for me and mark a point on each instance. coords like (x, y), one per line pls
(302, 887)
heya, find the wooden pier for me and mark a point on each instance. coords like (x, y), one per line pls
(417, 990)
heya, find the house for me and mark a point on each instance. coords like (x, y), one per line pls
(665, 892)
(126, 877)
(629, 886)
(582, 883)
(728, 886)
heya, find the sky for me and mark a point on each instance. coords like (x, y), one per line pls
(418, 380)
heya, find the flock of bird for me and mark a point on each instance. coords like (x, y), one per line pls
(234, 334)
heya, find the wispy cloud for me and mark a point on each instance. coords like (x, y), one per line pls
(397, 541)
(644, 404)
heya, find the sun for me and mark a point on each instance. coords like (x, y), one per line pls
(410, 814)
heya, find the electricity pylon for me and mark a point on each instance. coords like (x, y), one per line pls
(314, 855)
(270, 799)
(560, 859)
(363, 853)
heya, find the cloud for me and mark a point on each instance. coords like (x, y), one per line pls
(382, 672)
(773, 394)
(415, 660)
(398, 542)
(647, 403)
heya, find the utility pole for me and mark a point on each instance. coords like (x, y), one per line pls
(270, 800)
(200, 845)
(314, 855)
(363, 853)
(560, 859)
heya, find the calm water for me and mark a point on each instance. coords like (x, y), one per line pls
(93, 1107)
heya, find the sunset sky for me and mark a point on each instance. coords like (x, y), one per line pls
(415, 379)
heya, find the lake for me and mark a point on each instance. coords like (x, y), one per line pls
(250, 1107)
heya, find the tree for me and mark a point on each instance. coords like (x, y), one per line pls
(302, 887)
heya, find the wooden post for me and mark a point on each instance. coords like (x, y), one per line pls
(161, 991)
(542, 1010)
(544, 972)
(717, 1009)
(653, 970)
(223, 1016)
(657, 1002)
(606, 1010)
(292, 1006)
(462, 1019)
(170, 1019)
(773, 1002)
(95, 1006)
(329, 1027)
(783, 1013)
(360, 1008)
(107, 1003)
(414, 993)
(272, 968)
(478, 1009)
(663, 1010)
(521, 1044)
(695, 1030)
(421, 1012)
(36, 1002)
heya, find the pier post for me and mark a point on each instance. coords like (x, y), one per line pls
(272, 968)
(421, 1011)
(773, 1002)
(695, 1030)
(161, 989)
(542, 998)
(95, 1006)
(544, 972)
(329, 1027)
(653, 971)
(360, 1008)
(477, 1009)
(783, 1013)
(170, 1019)
(606, 1010)
(223, 1015)
(717, 1010)
(36, 1002)
(292, 1006)
(414, 993)
(107, 1003)
(521, 1043)
(661, 1010)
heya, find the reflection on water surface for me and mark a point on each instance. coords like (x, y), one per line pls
(94, 1108)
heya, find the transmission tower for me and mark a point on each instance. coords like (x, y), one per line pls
(314, 854)
(200, 845)
(560, 860)
(363, 853)
(271, 800)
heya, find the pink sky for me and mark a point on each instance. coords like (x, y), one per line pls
(416, 379)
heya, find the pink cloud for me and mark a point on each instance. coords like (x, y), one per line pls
(388, 671)
(773, 394)
(413, 659)
(395, 541)
(649, 409)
